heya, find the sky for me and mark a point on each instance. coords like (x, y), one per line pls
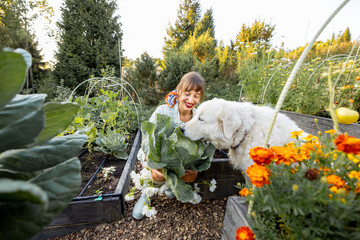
(144, 22)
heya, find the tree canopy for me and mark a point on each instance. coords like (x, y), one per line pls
(16, 20)
(90, 33)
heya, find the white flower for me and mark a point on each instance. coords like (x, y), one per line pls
(212, 185)
(106, 171)
(197, 198)
(149, 211)
(150, 191)
(129, 197)
(145, 173)
(133, 175)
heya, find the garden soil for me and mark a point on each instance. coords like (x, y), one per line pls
(174, 220)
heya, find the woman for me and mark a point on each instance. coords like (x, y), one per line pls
(180, 107)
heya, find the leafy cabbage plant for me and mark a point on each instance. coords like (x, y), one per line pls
(112, 143)
(39, 174)
(167, 148)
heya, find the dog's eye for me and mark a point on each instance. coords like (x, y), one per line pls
(200, 119)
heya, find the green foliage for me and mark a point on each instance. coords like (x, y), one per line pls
(107, 117)
(169, 149)
(16, 20)
(144, 77)
(112, 143)
(202, 46)
(256, 34)
(89, 41)
(187, 18)
(39, 174)
(175, 66)
(205, 24)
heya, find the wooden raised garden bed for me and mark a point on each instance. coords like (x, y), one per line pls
(236, 210)
(84, 211)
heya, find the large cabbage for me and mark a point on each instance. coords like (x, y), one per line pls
(167, 148)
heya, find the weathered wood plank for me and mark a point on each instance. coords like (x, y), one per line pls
(306, 122)
(226, 177)
(124, 182)
(235, 217)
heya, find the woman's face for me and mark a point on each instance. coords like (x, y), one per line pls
(188, 100)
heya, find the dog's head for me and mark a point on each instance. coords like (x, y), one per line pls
(218, 120)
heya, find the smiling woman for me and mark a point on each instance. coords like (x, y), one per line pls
(180, 107)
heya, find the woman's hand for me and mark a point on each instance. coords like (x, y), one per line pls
(157, 175)
(189, 176)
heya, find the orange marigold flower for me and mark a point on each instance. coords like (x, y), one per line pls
(331, 131)
(261, 155)
(347, 144)
(334, 189)
(310, 138)
(335, 180)
(295, 134)
(354, 174)
(358, 78)
(258, 174)
(244, 233)
(245, 192)
(354, 158)
(286, 155)
(308, 147)
(325, 169)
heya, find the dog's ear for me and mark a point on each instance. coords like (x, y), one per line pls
(228, 125)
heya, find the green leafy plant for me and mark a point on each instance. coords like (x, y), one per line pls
(104, 119)
(112, 143)
(39, 174)
(167, 148)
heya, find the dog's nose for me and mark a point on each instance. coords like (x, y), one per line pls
(182, 130)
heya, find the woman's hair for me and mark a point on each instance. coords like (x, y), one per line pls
(192, 81)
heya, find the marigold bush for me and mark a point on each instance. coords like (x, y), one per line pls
(308, 189)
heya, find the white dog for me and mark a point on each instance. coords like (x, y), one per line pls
(239, 127)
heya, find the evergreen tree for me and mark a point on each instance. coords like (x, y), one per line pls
(89, 40)
(203, 46)
(188, 16)
(15, 25)
(143, 77)
(202, 42)
(206, 24)
(346, 36)
(258, 33)
(174, 67)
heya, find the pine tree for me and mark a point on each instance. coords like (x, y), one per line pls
(188, 16)
(346, 36)
(15, 25)
(143, 77)
(206, 23)
(257, 33)
(202, 42)
(89, 40)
